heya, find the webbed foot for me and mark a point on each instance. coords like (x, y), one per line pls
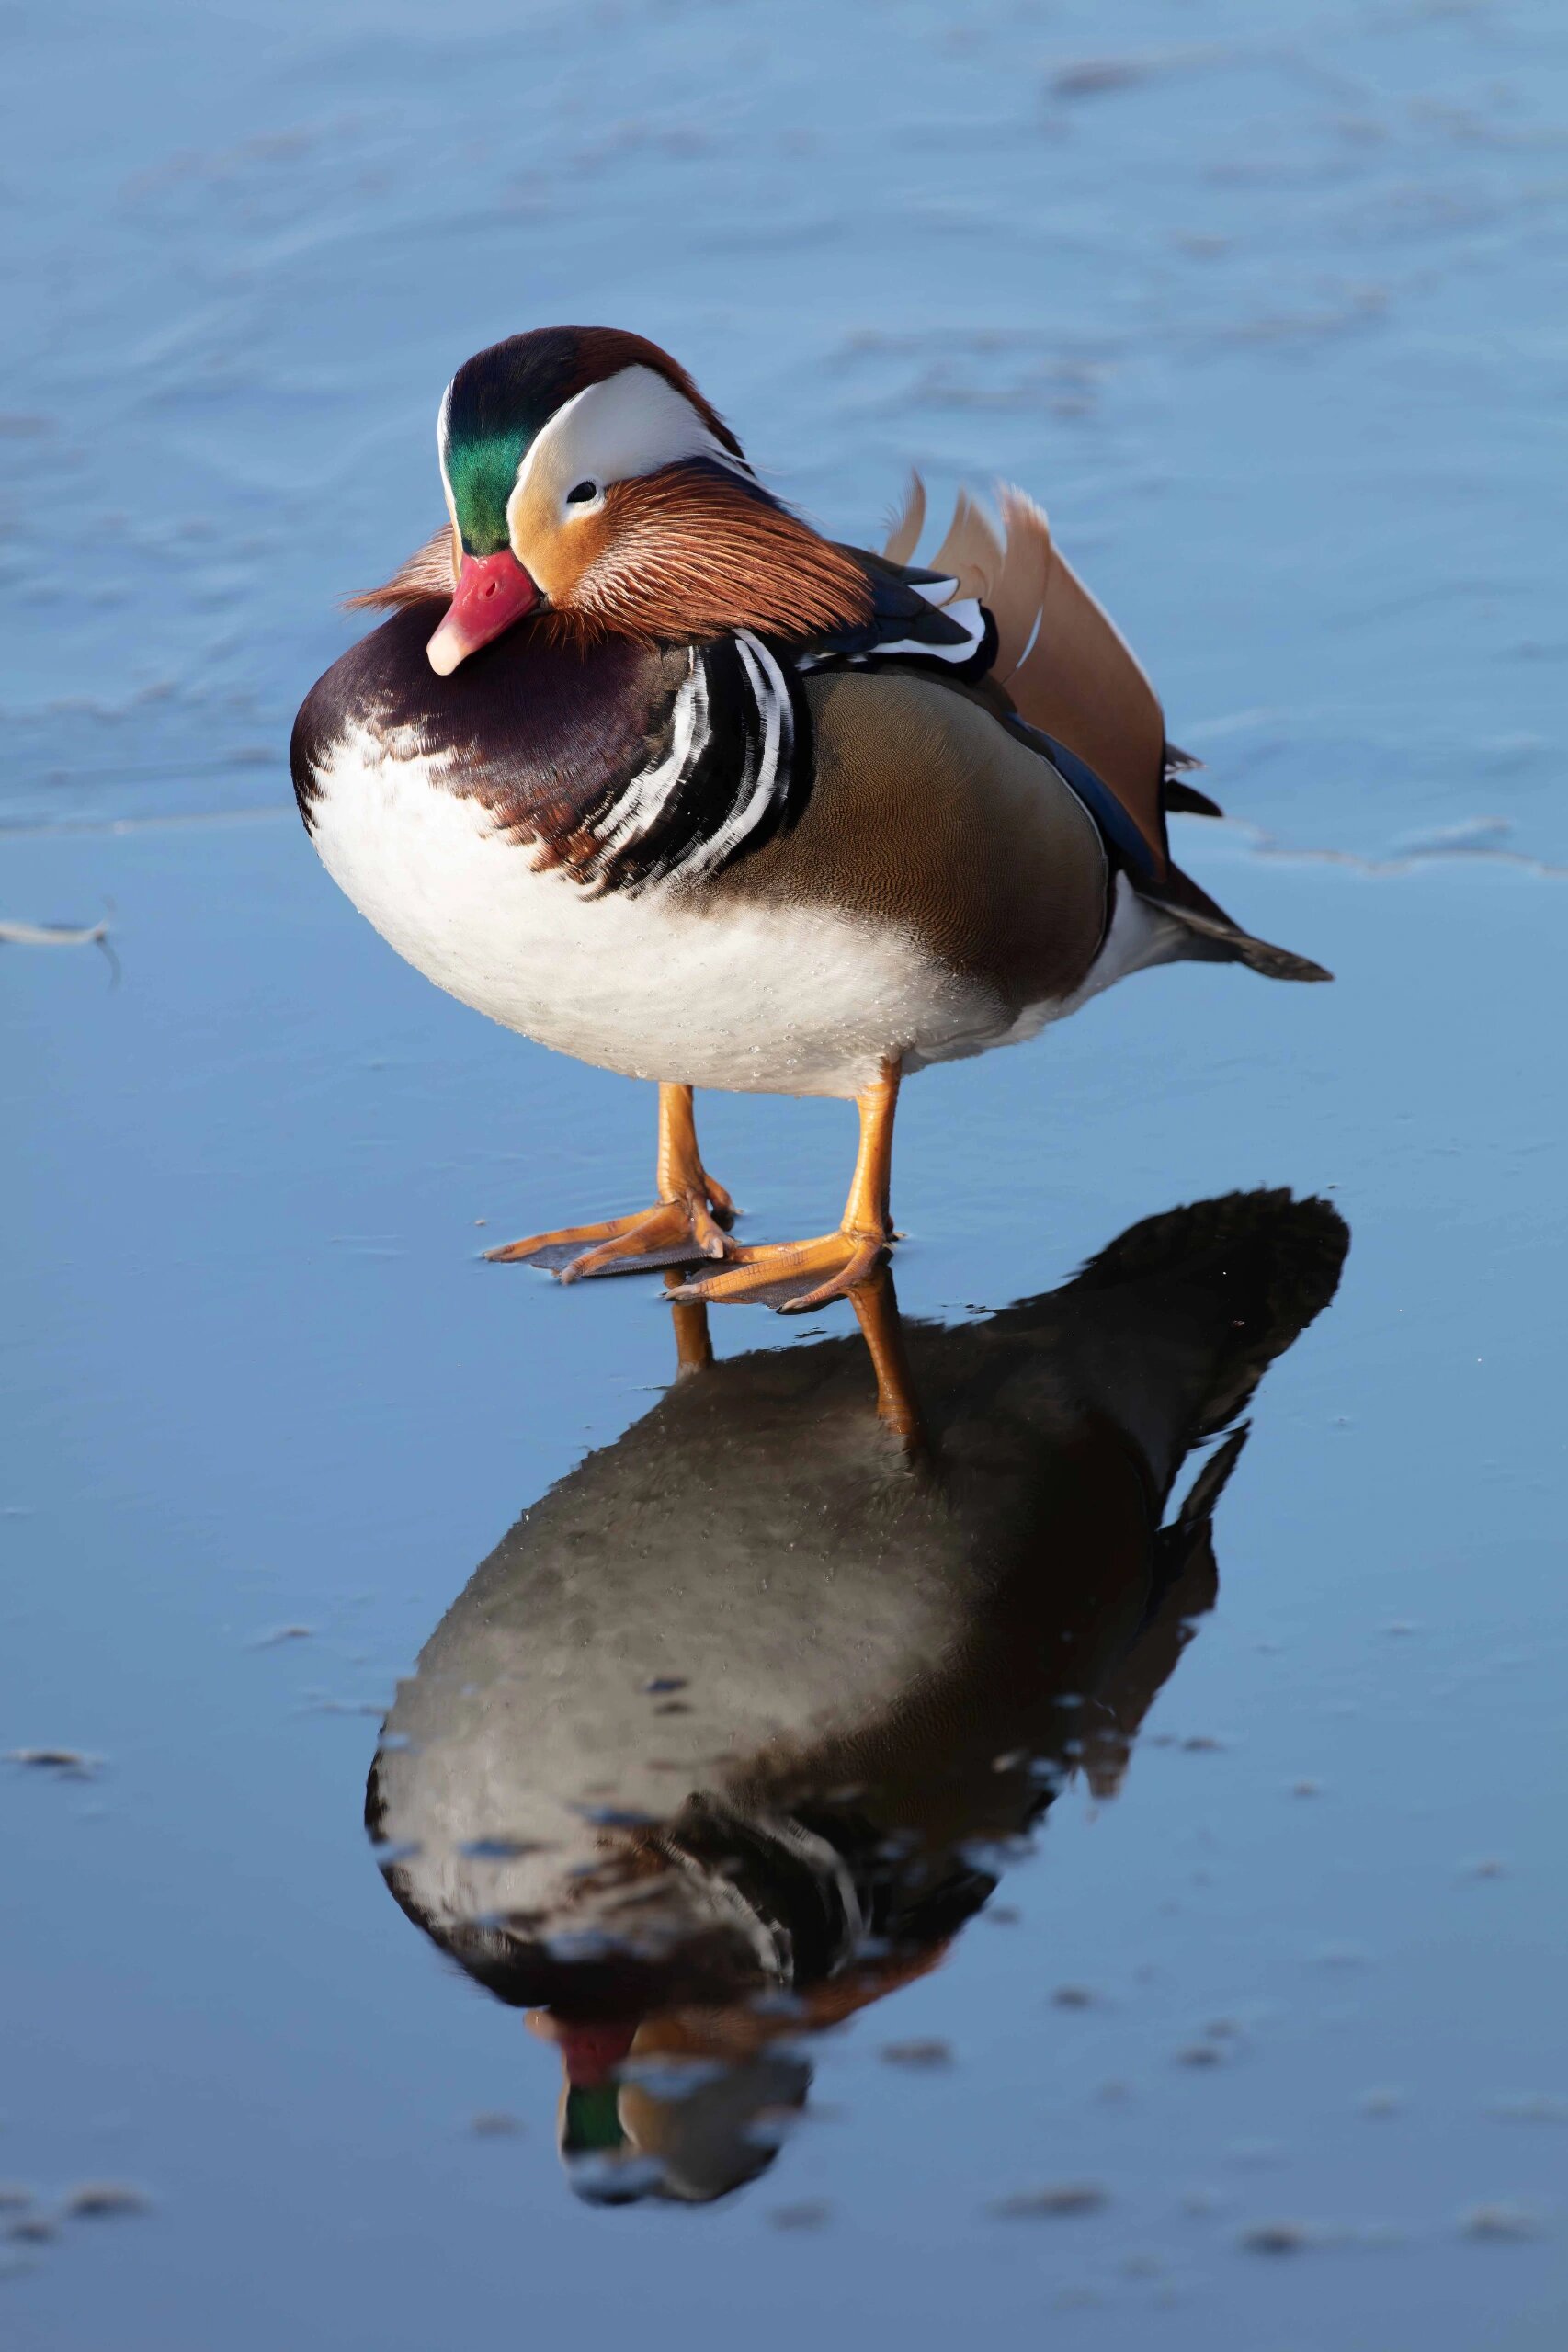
(689, 1221)
(793, 1277)
(694, 1225)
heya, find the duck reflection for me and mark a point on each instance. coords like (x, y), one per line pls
(739, 1725)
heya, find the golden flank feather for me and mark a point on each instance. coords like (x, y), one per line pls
(1079, 679)
(1018, 598)
(905, 536)
(430, 571)
(1066, 666)
(971, 552)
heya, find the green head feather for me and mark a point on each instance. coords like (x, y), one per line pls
(483, 472)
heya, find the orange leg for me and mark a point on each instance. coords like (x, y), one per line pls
(693, 1346)
(690, 1220)
(796, 1275)
(882, 1327)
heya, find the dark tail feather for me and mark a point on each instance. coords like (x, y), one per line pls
(1187, 798)
(1218, 939)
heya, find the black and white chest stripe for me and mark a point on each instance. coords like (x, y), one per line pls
(729, 766)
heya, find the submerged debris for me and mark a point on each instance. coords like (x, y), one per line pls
(1500, 2224)
(1061, 2201)
(1276, 2237)
(1256, 2153)
(809, 2214)
(927, 2054)
(1094, 77)
(69, 1762)
(30, 2229)
(103, 2200)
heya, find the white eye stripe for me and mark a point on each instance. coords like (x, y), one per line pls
(628, 425)
(443, 449)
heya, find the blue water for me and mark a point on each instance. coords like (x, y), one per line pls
(1269, 314)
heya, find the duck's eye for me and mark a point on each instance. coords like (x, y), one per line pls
(581, 493)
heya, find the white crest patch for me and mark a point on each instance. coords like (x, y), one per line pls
(632, 424)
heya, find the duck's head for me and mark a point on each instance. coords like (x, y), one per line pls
(585, 475)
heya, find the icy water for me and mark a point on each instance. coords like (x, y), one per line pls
(1209, 1883)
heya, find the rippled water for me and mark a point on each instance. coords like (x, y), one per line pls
(1216, 1998)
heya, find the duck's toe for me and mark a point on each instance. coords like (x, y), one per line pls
(793, 1277)
(673, 1232)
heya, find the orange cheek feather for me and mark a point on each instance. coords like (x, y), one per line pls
(683, 554)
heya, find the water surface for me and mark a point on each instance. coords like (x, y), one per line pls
(1269, 317)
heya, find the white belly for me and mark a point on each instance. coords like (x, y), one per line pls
(787, 1000)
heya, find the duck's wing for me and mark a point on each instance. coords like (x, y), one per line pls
(1071, 674)
(1003, 623)
(919, 613)
(1000, 613)
(999, 607)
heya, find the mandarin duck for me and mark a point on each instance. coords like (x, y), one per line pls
(644, 767)
(734, 1729)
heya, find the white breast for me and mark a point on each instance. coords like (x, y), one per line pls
(663, 985)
